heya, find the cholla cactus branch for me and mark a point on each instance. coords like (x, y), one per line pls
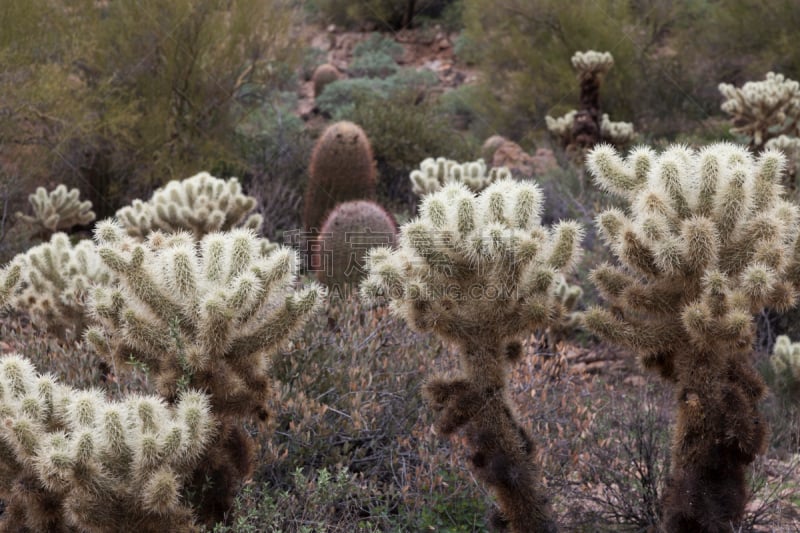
(591, 63)
(480, 272)
(790, 147)
(763, 109)
(201, 204)
(9, 279)
(434, 174)
(55, 279)
(58, 209)
(74, 461)
(785, 363)
(707, 242)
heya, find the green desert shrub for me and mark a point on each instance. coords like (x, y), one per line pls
(385, 14)
(378, 43)
(373, 65)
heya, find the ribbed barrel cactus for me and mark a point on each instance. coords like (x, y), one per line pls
(434, 174)
(201, 204)
(57, 210)
(55, 280)
(763, 109)
(706, 242)
(206, 316)
(71, 460)
(480, 271)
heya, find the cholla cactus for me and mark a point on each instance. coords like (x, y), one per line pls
(9, 279)
(616, 133)
(434, 174)
(764, 109)
(480, 272)
(585, 127)
(707, 242)
(202, 315)
(790, 146)
(201, 204)
(71, 460)
(58, 209)
(561, 126)
(566, 319)
(55, 279)
(591, 63)
(785, 362)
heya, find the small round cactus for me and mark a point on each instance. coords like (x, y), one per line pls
(323, 75)
(342, 169)
(349, 232)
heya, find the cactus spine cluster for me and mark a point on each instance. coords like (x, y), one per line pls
(341, 169)
(480, 272)
(433, 174)
(587, 126)
(55, 281)
(763, 109)
(350, 230)
(72, 460)
(57, 210)
(707, 241)
(206, 316)
(201, 204)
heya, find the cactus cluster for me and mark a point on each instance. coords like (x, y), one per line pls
(763, 109)
(790, 146)
(706, 243)
(587, 126)
(785, 363)
(341, 169)
(433, 174)
(201, 204)
(480, 271)
(56, 278)
(57, 210)
(349, 232)
(73, 460)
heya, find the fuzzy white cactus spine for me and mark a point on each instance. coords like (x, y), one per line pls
(707, 241)
(763, 109)
(74, 460)
(434, 174)
(58, 209)
(200, 204)
(55, 279)
(480, 272)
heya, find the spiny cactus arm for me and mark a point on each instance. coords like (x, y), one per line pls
(617, 133)
(58, 209)
(9, 279)
(624, 177)
(561, 126)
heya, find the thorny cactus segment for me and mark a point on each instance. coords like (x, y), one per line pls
(434, 174)
(707, 242)
(202, 315)
(58, 209)
(73, 460)
(55, 280)
(790, 147)
(616, 133)
(201, 205)
(763, 109)
(567, 318)
(561, 126)
(480, 271)
(9, 279)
